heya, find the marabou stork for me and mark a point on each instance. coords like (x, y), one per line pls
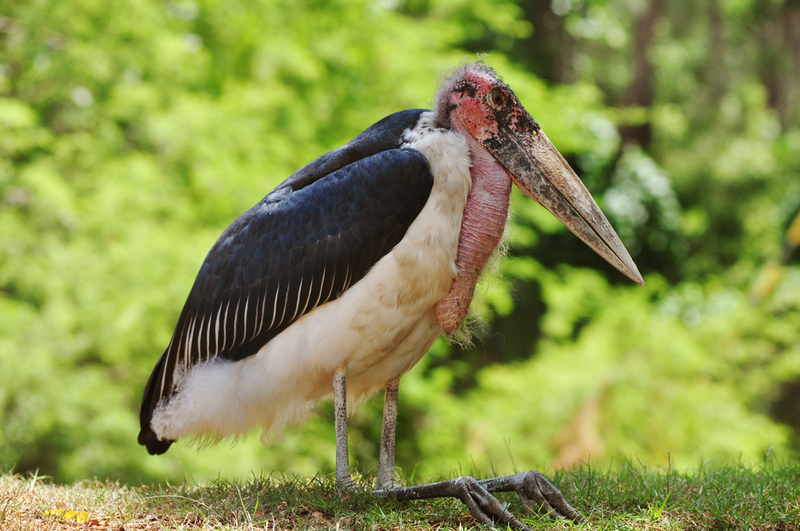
(340, 279)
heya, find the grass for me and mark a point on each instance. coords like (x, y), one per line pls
(629, 496)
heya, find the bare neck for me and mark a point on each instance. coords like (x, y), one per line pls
(482, 228)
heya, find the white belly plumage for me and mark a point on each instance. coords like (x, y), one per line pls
(376, 331)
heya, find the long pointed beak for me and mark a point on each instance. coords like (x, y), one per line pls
(540, 171)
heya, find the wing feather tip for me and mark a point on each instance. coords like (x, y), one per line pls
(154, 445)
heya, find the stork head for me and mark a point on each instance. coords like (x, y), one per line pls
(475, 102)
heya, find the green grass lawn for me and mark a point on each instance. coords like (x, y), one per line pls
(627, 496)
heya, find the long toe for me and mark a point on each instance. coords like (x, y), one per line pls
(537, 494)
(480, 502)
(483, 506)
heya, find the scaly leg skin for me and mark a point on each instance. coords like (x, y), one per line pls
(343, 479)
(386, 459)
(536, 494)
(481, 504)
(530, 486)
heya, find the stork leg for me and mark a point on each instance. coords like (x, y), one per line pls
(386, 458)
(343, 478)
(536, 493)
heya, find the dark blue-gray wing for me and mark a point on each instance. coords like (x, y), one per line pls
(286, 256)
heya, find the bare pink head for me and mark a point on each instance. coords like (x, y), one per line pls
(476, 103)
(475, 100)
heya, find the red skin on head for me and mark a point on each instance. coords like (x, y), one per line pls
(473, 102)
(470, 109)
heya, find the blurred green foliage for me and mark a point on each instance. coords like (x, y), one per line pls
(133, 132)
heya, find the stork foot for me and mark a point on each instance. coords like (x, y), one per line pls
(538, 496)
(482, 505)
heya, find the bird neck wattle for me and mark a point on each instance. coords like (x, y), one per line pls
(482, 229)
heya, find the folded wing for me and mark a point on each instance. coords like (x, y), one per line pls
(304, 245)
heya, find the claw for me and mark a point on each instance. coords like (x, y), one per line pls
(553, 500)
(537, 495)
(483, 506)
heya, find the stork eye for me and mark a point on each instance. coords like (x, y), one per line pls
(497, 98)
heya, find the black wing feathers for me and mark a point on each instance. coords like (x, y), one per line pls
(381, 136)
(286, 256)
(347, 221)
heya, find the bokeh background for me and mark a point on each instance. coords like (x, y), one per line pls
(133, 132)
